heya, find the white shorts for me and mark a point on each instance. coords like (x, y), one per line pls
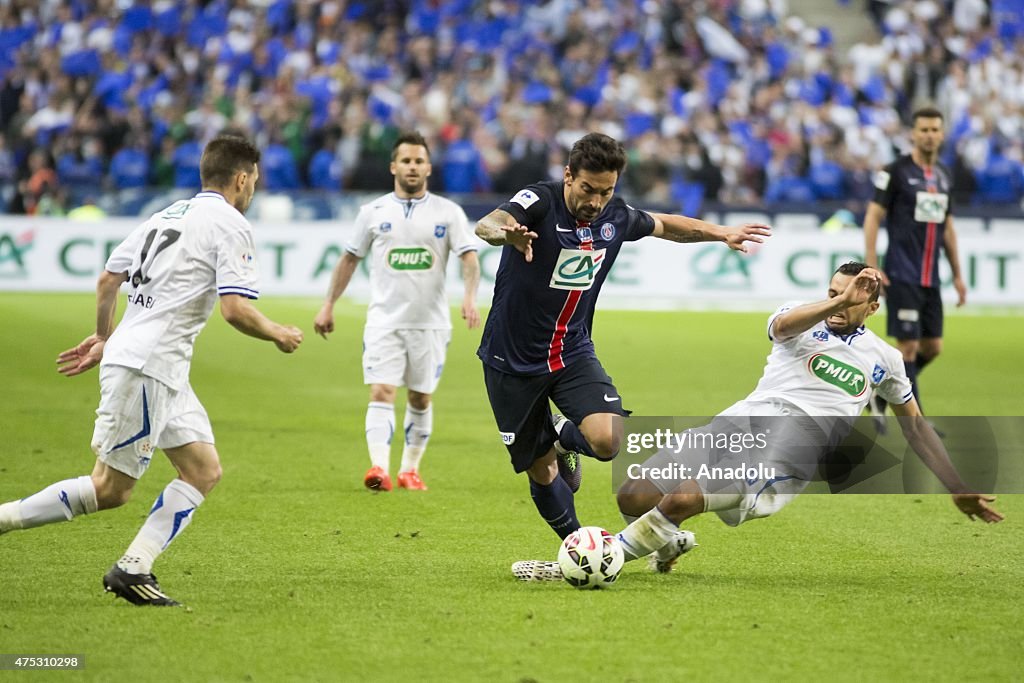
(412, 358)
(789, 460)
(138, 414)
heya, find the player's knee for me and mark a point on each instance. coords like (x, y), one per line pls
(418, 400)
(682, 505)
(110, 493)
(606, 445)
(382, 393)
(635, 497)
(204, 478)
(931, 351)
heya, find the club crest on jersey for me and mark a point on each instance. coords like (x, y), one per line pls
(585, 234)
(820, 335)
(385, 227)
(440, 230)
(607, 231)
(877, 374)
(577, 268)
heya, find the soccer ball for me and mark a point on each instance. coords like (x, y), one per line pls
(590, 557)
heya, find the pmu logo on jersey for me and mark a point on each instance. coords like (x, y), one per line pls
(607, 231)
(440, 230)
(410, 258)
(838, 374)
(577, 268)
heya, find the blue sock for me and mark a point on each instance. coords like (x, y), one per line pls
(572, 439)
(556, 505)
(911, 368)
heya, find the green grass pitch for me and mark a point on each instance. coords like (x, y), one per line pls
(292, 571)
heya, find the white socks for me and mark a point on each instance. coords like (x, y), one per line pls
(418, 425)
(646, 534)
(58, 502)
(171, 513)
(380, 427)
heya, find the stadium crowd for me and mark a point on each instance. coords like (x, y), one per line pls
(732, 100)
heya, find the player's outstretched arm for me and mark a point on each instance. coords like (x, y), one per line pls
(88, 353)
(244, 317)
(953, 256)
(802, 318)
(471, 281)
(928, 446)
(323, 324)
(685, 229)
(872, 222)
(499, 228)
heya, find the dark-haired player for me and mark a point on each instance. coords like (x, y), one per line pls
(561, 239)
(914, 195)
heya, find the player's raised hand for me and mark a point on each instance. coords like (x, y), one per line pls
(82, 357)
(862, 287)
(977, 505)
(521, 238)
(289, 338)
(323, 324)
(737, 238)
(470, 314)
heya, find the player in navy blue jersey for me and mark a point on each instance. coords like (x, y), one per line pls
(913, 194)
(561, 239)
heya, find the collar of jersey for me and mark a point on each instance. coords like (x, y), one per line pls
(406, 201)
(846, 337)
(211, 193)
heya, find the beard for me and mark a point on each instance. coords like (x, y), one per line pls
(412, 187)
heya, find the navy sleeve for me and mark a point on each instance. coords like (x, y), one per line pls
(529, 205)
(640, 225)
(885, 186)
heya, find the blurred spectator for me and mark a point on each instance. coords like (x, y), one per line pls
(186, 164)
(129, 168)
(734, 97)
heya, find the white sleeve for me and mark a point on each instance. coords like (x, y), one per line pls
(120, 260)
(894, 385)
(362, 238)
(461, 239)
(779, 311)
(237, 270)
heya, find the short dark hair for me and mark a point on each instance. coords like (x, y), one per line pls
(224, 157)
(409, 137)
(926, 113)
(597, 153)
(854, 268)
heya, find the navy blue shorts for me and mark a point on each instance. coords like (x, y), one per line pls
(913, 311)
(521, 408)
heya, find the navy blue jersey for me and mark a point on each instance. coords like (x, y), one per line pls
(542, 312)
(917, 201)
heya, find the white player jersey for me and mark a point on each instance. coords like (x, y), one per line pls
(826, 374)
(411, 240)
(178, 262)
